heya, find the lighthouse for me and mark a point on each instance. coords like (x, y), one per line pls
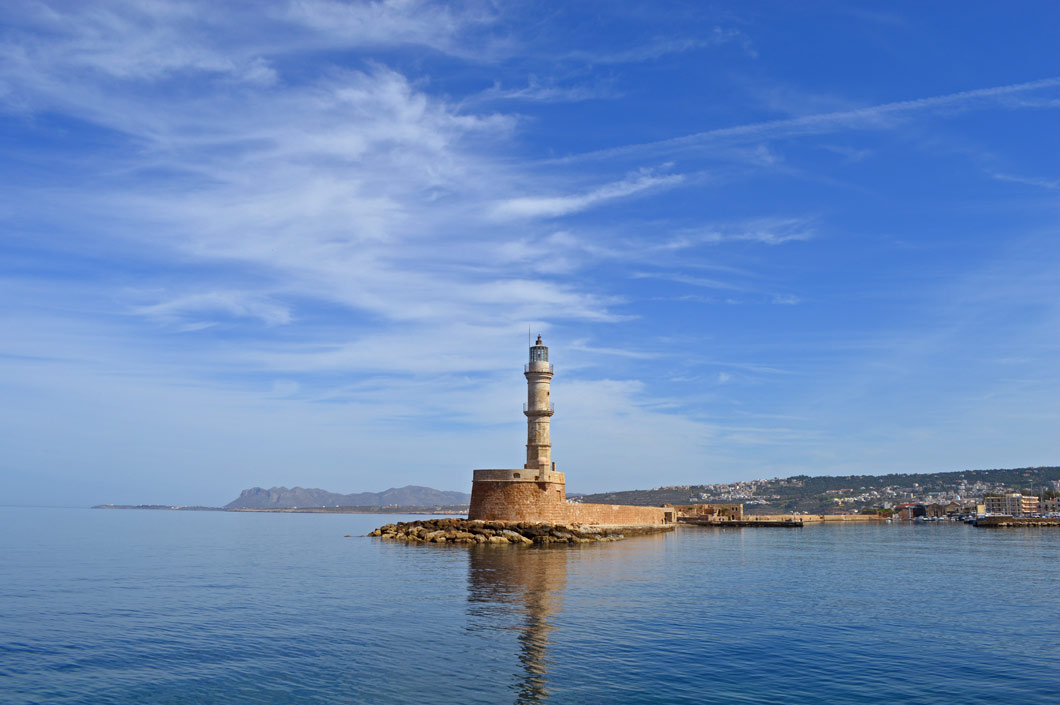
(538, 410)
(535, 492)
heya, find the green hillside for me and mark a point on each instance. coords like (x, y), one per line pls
(844, 492)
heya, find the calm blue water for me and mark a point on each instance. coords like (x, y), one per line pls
(104, 606)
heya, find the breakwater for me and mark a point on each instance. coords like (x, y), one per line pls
(1001, 522)
(507, 532)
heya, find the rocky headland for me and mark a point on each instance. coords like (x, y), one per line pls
(505, 532)
(311, 498)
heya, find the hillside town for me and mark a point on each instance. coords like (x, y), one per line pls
(1015, 492)
(907, 502)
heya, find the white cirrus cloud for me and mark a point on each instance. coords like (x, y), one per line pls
(881, 116)
(554, 206)
(767, 231)
(237, 304)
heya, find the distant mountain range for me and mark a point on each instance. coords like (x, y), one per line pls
(302, 497)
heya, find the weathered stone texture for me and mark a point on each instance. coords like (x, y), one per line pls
(614, 514)
(464, 531)
(518, 501)
(546, 501)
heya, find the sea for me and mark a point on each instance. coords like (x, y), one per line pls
(127, 606)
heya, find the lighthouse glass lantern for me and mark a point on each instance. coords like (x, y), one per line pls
(538, 353)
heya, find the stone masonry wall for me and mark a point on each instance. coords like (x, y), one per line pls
(518, 501)
(546, 502)
(619, 514)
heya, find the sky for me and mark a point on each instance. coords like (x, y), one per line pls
(303, 242)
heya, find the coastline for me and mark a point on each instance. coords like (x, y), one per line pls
(436, 510)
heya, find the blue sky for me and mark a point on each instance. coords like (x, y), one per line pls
(300, 243)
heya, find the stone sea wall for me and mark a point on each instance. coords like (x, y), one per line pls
(614, 514)
(1004, 521)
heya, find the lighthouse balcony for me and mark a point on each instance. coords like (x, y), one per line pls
(534, 411)
(538, 367)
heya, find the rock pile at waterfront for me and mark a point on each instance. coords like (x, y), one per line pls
(493, 532)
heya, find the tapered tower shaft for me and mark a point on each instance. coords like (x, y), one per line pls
(538, 409)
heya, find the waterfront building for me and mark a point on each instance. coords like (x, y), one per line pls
(1030, 505)
(1012, 504)
(719, 512)
(910, 510)
(934, 511)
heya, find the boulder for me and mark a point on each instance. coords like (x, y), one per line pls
(515, 537)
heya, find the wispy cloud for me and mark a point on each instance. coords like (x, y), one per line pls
(584, 346)
(232, 303)
(661, 47)
(873, 117)
(552, 206)
(458, 29)
(1051, 184)
(536, 91)
(767, 231)
(705, 282)
(158, 41)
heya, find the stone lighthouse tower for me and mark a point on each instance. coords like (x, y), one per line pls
(538, 410)
(535, 492)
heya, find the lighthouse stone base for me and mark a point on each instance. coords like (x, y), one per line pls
(531, 495)
(518, 495)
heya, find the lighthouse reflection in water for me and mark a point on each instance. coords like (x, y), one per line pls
(524, 591)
